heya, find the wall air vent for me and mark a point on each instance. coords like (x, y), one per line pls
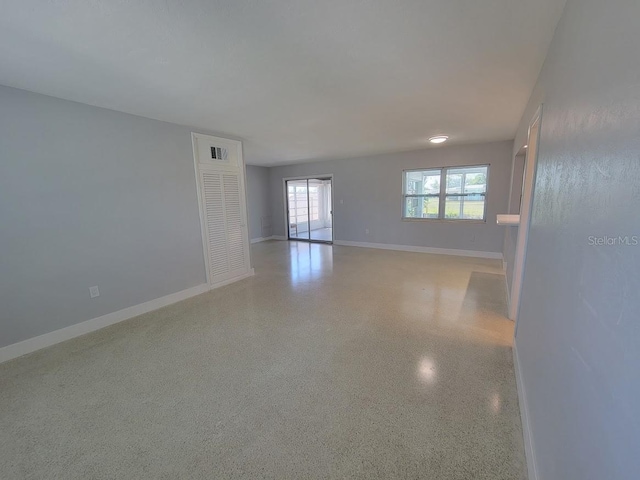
(218, 153)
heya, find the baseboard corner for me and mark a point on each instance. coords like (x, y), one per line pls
(415, 249)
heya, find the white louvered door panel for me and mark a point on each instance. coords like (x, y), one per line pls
(235, 223)
(215, 225)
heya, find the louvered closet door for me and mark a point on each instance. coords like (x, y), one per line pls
(215, 224)
(226, 239)
(235, 225)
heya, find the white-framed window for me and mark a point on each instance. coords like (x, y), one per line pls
(447, 193)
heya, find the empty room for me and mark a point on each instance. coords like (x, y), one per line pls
(320, 239)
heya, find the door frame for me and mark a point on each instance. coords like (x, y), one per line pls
(530, 171)
(199, 167)
(285, 197)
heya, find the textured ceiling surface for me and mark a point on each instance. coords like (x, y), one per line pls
(295, 79)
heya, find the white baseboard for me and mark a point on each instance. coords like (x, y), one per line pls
(46, 340)
(264, 239)
(524, 416)
(409, 248)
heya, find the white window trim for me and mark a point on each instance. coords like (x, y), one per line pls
(443, 195)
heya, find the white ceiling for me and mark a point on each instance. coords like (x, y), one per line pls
(295, 79)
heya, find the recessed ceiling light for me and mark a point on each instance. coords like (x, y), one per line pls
(525, 146)
(439, 139)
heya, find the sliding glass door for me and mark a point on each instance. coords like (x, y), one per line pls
(309, 209)
(298, 208)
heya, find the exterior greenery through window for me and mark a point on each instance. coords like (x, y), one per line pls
(450, 193)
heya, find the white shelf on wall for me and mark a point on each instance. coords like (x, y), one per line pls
(505, 219)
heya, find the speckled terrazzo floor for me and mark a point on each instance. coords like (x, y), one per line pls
(331, 362)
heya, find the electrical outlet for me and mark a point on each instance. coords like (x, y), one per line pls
(366, 231)
(94, 292)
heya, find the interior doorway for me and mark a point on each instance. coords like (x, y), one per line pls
(309, 209)
(530, 167)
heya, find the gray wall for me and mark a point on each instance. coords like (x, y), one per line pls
(368, 195)
(90, 196)
(511, 232)
(258, 201)
(509, 253)
(516, 183)
(578, 336)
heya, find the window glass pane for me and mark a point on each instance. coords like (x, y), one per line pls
(421, 207)
(465, 189)
(469, 180)
(462, 207)
(422, 182)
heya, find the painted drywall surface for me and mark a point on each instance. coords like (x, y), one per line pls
(516, 184)
(511, 233)
(90, 197)
(301, 79)
(259, 201)
(578, 334)
(367, 192)
(509, 253)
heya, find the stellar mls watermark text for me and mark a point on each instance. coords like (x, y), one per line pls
(620, 240)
